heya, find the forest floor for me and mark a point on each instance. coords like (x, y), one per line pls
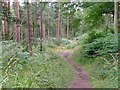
(81, 78)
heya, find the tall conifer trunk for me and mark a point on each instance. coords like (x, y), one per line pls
(67, 27)
(17, 26)
(5, 18)
(28, 28)
(8, 20)
(44, 34)
(35, 23)
(41, 31)
(59, 24)
(49, 28)
(116, 16)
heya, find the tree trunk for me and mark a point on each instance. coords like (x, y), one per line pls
(48, 35)
(17, 26)
(59, 25)
(41, 32)
(49, 27)
(1, 35)
(35, 23)
(8, 20)
(14, 26)
(108, 19)
(116, 16)
(28, 28)
(67, 27)
(5, 19)
(44, 35)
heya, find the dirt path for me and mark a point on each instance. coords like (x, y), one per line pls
(81, 79)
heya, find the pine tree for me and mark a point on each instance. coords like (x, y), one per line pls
(35, 23)
(116, 16)
(17, 26)
(5, 19)
(8, 19)
(59, 24)
(28, 28)
(41, 31)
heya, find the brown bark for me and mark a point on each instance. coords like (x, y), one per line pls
(35, 23)
(67, 27)
(116, 16)
(59, 24)
(14, 26)
(28, 28)
(44, 34)
(49, 27)
(8, 19)
(5, 19)
(5, 26)
(1, 34)
(1, 28)
(41, 31)
(17, 26)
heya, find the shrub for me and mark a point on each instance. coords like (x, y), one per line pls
(94, 34)
(41, 70)
(99, 57)
(102, 46)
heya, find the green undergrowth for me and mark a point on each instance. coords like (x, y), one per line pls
(41, 70)
(98, 54)
(64, 43)
(103, 71)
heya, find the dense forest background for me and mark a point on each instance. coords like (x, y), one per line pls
(33, 34)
